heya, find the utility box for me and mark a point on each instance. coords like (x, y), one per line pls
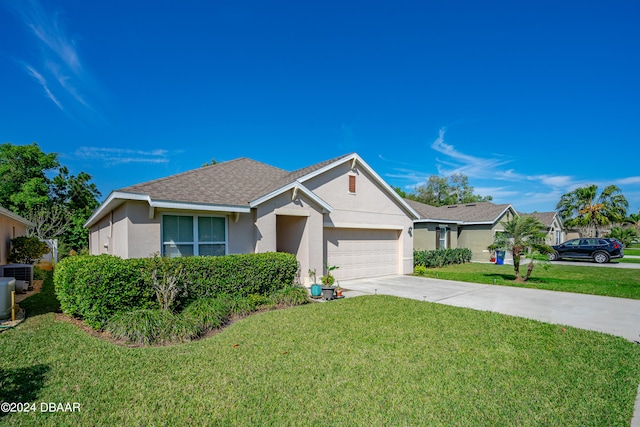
(7, 285)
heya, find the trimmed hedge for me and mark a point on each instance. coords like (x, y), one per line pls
(441, 257)
(94, 288)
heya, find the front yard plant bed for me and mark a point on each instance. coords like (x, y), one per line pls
(394, 362)
(622, 283)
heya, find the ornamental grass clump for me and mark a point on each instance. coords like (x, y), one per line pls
(148, 327)
(207, 313)
(291, 296)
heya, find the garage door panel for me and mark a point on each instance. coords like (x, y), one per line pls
(362, 253)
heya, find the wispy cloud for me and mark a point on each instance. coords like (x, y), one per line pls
(43, 82)
(116, 156)
(458, 162)
(58, 68)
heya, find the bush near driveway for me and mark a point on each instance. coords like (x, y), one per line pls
(95, 288)
(441, 257)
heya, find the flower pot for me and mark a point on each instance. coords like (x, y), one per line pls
(316, 290)
(338, 293)
(328, 293)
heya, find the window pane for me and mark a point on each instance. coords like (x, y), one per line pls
(177, 228)
(186, 228)
(211, 250)
(173, 251)
(211, 229)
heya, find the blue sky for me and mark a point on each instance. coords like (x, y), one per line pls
(529, 99)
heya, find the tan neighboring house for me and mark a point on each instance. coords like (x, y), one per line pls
(11, 226)
(338, 212)
(555, 232)
(470, 225)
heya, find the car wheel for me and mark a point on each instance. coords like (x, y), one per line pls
(600, 257)
(554, 256)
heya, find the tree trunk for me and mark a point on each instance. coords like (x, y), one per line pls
(517, 252)
(529, 270)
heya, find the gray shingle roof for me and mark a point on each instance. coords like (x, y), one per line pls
(484, 212)
(545, 218)
(232, 183)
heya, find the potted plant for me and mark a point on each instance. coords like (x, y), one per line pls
(327, 283)
(338, 290)
(316, 289)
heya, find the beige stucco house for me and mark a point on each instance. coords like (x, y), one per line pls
(470, 225)
(338, 212)
(11, 226)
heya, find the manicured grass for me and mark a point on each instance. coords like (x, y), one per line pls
(631, 251)
(623, 283)
(374, 360)
(628, 260)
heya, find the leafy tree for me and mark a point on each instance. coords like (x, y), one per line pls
(210, 163)
(626, 236)
(521, 234)
(585, 209)
(58, 207)
(23, 176)
(443, 191)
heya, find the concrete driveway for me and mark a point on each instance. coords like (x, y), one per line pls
(616, 316)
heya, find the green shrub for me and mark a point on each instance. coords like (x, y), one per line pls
(291, 296)
(94, 288)
(207, 313)
(420, 270)
(27, 250)
(151, 327)
(441, 257)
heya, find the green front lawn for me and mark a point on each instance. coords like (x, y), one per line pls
(374, 360)
(623, 283)
(633, 252)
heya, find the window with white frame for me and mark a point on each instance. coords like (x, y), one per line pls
(442, 244)
(187, 235)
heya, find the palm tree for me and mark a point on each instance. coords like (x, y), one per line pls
(583, 208)
(626, 236)
(634, 219)
(521, 234)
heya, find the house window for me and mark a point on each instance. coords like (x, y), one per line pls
(184, 235)
(443, 240)
(352, 184)
(558, 237)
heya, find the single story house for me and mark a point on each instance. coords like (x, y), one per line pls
(555, 232)
(337, 212)
(470, 225)
(11, 226)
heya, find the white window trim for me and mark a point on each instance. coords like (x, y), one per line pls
(443, 238)
(196, 244)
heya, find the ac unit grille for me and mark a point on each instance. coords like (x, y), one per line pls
(22, 272)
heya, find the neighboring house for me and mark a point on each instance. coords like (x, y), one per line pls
(555, 232)
(338, 212)
(469, 225)
(11, 226)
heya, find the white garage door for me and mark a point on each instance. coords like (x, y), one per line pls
(362, 253)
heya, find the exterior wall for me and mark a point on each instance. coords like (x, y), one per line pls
(128, 232)
(9, 229)
(370, 207)
(293, 226)
(425, 236)
(477, 238)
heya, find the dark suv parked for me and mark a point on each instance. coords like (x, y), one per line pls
(599, 249)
